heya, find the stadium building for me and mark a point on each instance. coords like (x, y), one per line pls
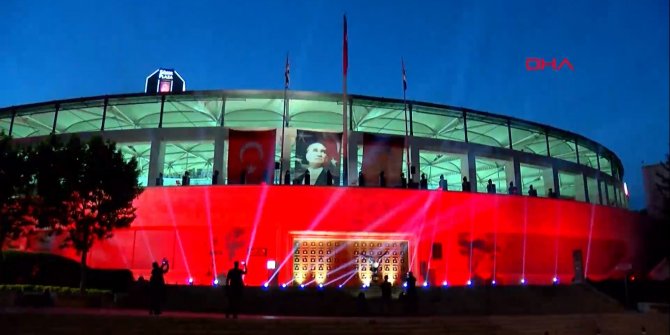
(326, 228)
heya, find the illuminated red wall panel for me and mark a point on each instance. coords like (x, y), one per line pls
(203, 229)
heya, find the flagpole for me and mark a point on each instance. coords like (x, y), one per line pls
(345, 134)
(283, 123)
(404, 101)
(345, 124)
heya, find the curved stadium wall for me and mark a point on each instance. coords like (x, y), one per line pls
(174, 133)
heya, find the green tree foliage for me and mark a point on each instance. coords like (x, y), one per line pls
(87, 191)
(16, 200)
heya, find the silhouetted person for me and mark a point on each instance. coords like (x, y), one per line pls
(306, 179)
(215, 177)
(234, 289)
(466, 184)
(423, 183)
(491, 187)
(386, 295)
(511, 189)
(552, 194)
(361, 304)
(157, 286)
(411, 297)
(329, 178)
(361, 179)
(243, 176)
(443, 183)
(403, 180)
(186, 179)
(532, 192)
(287, 177)
(159, 179)
(382, 179)
(411, 284)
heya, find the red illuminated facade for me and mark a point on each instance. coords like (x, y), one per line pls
(202, 230)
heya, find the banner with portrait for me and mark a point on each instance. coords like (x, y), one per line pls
(317, 155)
(382, 153)
(251, 156)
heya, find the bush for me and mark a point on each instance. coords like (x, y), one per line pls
(52, 270)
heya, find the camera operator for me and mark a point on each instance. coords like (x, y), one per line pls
(234, 288)
(157, 286)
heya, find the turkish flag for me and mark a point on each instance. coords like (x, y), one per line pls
(251, 156)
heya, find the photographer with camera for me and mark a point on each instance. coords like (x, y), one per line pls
(157, 286)
(234, 288)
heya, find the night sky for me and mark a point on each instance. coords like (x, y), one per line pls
(462, 53)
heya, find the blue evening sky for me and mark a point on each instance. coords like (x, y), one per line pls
(463, 53)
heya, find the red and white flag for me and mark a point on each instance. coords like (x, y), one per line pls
(404, 76)
(345, 49)
(251, 156)
(287, 74)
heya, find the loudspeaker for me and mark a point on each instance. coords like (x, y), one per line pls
(413, 169)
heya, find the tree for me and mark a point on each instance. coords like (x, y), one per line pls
(16, 201)
(88, 191)
(664, 189)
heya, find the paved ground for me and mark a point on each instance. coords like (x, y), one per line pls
(115, 321)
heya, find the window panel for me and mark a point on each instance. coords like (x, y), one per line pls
(438, 123)
(80, 116)
(37, 121)
(195, 157)
(563, 148)
(611, 200)
(605, 165)
(315, 115)
(133, 113)
(494, 169)
(618, 172)
(487, 131)
(592, 186)
(190, 111)
(435, 164)
(379, 117)
(540, 177)
(141, 151)
(571, 186)
(253, 113)
(588, 157)
(530, 140)
(5, 123)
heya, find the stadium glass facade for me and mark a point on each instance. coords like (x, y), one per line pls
(174, 133)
